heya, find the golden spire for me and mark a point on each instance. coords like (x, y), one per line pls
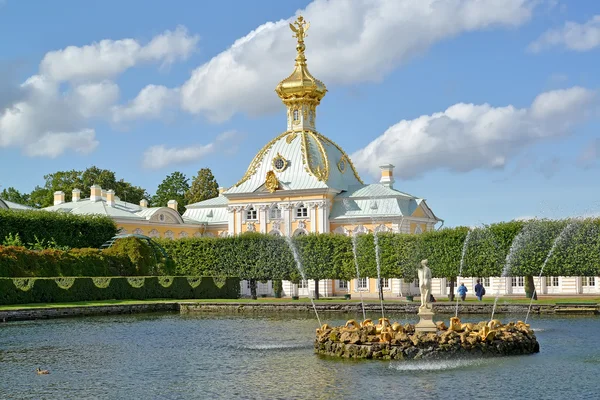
(301, 88)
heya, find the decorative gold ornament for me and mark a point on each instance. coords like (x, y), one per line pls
(279, 163)
(271, 183)
(290, 138)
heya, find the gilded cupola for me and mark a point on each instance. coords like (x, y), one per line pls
(301, 92)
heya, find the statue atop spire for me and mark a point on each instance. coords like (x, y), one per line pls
(301, 92)
(300, 31)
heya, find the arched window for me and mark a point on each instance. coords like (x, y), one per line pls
(418, 230)
(300, 232)
(275, 213)
(296, 115)
(301, 211)
(251, 213)
(275, 233)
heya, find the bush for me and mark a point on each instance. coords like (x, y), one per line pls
(47, 290)
(142, 259)
(75, 231)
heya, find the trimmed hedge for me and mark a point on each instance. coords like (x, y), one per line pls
(46, 290)
(330, 256)
(126, 257)
(76, 231)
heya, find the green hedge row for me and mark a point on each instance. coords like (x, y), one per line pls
(76, 231)
(46, 290)
(127, 257)
(487, 250)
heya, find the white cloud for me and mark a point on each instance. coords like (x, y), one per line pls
(572, 36)
(349, 41)
(149, 103)
(54, 144)
(109, 58)
(465, 137)
(160, 156)
(50, 112)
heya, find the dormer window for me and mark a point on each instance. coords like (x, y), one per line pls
(251, 214)
(275, 213)
(301, 211)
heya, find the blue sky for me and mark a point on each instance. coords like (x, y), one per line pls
(488, 109)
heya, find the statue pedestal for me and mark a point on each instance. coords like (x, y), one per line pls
(426, 323)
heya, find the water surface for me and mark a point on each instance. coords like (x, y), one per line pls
(172, 356)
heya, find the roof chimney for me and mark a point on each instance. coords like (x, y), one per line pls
(95, 193)
(172, 204)
(387, 176)
(76, 195)
(59, 198)
(110, 197)
(144, 203)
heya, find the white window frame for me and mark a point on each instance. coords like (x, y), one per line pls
(484, 281)
(303, 284)
(251, 214)
(342, 284)
(301, 212)
(386, 283)
(362, 284)
(588, 281)
(275, 213)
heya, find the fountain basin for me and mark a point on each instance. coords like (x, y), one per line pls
(401, 342)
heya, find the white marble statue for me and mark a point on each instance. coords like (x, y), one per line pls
(424, 274)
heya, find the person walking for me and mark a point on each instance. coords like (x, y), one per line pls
(479, 290)
(462, 291)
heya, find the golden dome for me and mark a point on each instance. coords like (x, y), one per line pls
(300, 85)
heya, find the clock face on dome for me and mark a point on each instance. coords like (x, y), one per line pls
(279, 163)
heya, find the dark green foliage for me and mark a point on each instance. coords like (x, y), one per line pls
(62, 228)
(139, 253)
(83, 289)
(12, 194)
(66, 181)
(204, 187)
(173, 187)
(329, 256)
(21, 262)
(127, 257)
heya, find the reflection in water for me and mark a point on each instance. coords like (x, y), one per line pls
(218, 356)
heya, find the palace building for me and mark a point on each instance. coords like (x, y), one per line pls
(302, 182)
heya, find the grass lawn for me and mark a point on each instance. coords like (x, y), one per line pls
(486, 300)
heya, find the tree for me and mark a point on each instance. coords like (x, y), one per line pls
(66, 181)
(12, 194)
(204, 187)
(173, 187)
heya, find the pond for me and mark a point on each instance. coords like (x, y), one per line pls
(172, 356)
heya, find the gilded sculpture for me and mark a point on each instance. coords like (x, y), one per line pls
(271, 182)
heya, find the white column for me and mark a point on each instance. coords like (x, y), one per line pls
(312, 207)
(231, 220)
(262, 217)
(238, 220)
(323, 212)
(287, 220)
